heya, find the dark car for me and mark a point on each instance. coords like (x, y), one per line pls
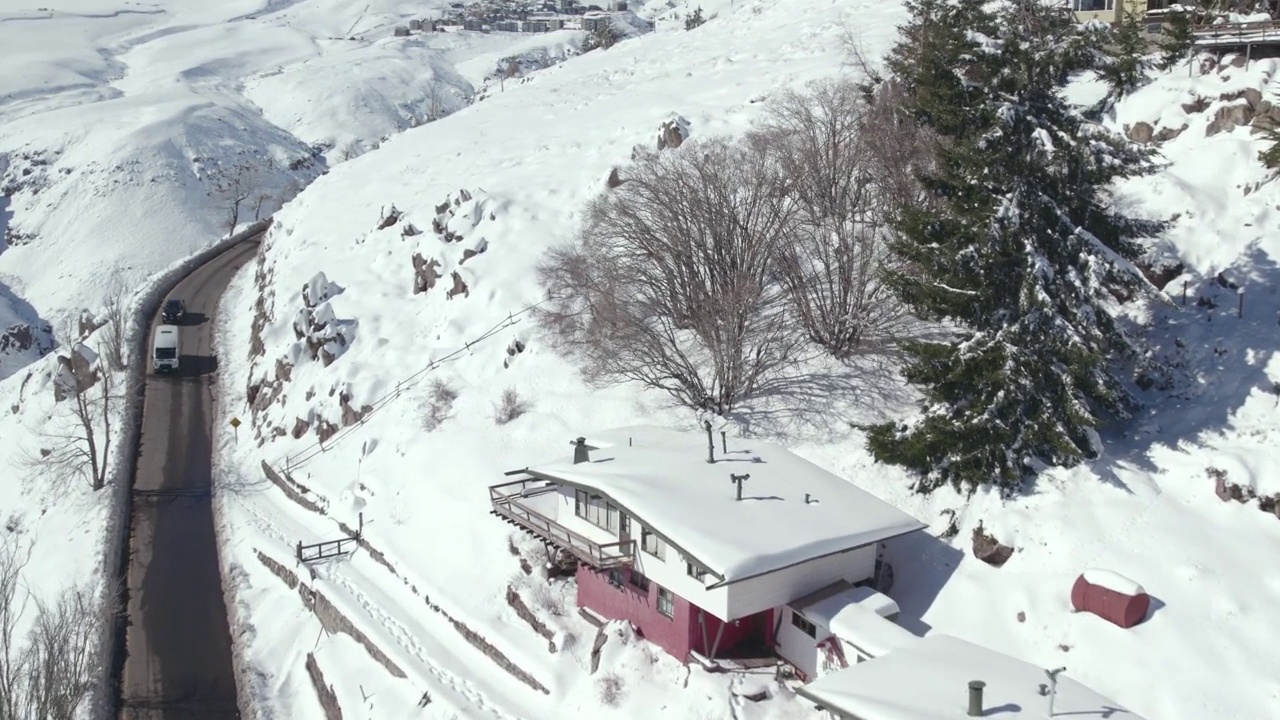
(174, 311)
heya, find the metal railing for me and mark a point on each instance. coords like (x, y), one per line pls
(506, 498)
(1265, 31)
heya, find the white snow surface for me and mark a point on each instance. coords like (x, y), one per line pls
(929, 679)
(869, 631)
(662, 478)
(418, 465)
(1112, 581)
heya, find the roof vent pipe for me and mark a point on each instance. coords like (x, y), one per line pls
(580, 454)
(724, 443)
(1053, 686)
(739, 479)
(975, 697)
(711, 443)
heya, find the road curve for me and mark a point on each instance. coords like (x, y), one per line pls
(178, 644)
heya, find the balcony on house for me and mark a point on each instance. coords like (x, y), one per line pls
(533, 505)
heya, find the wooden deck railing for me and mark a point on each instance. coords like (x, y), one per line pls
(1264, 31)
(506, 498)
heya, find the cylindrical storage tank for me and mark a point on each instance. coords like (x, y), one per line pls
(1111, 596)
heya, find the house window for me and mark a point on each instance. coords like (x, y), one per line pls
(1092, 5)
(595, 510)
(666, 602)
(611, 517)
(640, 582)
(695, 572)
(615, 577)
(805, 626)
(624, 525)
(580, 503)
(652, 544)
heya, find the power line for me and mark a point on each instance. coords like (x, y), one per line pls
(320, 447)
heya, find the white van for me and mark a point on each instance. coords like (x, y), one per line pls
(164, 350)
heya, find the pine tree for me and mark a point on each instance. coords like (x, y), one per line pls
(1126, 68)
(694, 20)
(1023, 256)
(1177, 39)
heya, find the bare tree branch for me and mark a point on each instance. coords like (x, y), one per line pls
(835, 150)
(77, 448)
(115, 316)
(671, 283)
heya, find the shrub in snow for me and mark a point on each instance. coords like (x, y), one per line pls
(612, 690)
(694, 20)
(440, 399)
(510, 407)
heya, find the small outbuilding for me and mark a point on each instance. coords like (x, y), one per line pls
(1111, 596)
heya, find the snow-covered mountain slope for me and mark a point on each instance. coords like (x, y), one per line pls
(410, 404)
(122, 125)
(505, 179)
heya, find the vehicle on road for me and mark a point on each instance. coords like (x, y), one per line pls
(164, 349)
(173, 311)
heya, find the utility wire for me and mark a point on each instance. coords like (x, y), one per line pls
(320, 447)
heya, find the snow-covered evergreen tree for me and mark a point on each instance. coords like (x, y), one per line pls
(1025, 257)
(1128, 64)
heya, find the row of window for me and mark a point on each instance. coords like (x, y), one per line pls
(666, 601)
(601, 513)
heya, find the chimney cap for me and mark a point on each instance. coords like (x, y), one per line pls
(976, 684)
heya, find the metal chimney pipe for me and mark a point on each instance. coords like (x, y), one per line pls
(975, 697)
(738, 480)
(580, 454)
(711, 443)
(1053, 686)
(724, 443)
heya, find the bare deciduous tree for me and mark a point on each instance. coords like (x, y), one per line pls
(78, 448)
(435, 102)
(49, 674)
(826, 141)
(115, 316)
(671, 282)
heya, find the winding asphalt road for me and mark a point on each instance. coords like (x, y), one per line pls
(178, 644)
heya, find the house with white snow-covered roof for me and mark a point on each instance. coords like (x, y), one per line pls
(940, 677)
(709, 546)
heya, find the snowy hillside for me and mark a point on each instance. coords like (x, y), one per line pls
(127, 130)
(128, 137)
(478, 197)
(392, 367)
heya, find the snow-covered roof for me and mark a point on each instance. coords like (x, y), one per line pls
(929, 680)
(662, 477)
(858, 615)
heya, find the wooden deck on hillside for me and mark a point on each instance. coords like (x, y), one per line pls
(529, 504)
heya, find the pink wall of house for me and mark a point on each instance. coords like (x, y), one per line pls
(678, 634)
(754, 629)
(640, 609)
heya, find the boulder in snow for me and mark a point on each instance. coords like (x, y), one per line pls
(989, 550)
(673, 132)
